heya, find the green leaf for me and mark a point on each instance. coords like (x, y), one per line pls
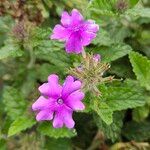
(119, 96)
(113, 130)
(140, 113)
(20, 124)
(58, 144)
(42, 43)
(121, 68)
(101, 7)
(15, 104)
(112, 53)
(133, 2)
(138, 12)
(3, 144)
(103, 39)
(10, 51)
(46, 69)
(109, 8)
(103, 110)
(141, 68)
(137, 131)
(122, 96)
(46, 128)
(59, 59)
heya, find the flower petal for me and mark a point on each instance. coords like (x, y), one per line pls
(42, 103)
(76, 17)
(87, 37)
(65, 19)
(74, 100)
(60, 33)
(74, 44)
(67, 118)
(90, 26)
(52, 88)
(70, 86)
(57, 122)
(44, 115)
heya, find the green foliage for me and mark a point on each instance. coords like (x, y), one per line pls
(113, 130)
(139, 12)
(20, 124)
(15, 104)
(113, 53)
(141, 68)
(103, 110)
(121, 113)
(103, 38)
(137, 131)
(109, 7)
(46, 128)
(10, 51)
(117, 97)
(59, 144)
(140, 113)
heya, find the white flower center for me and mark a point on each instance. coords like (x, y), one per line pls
(60, 101)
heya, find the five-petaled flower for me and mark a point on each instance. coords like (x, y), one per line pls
(76, 31)
(59, 101)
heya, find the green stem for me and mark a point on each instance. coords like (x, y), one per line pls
(32, 58)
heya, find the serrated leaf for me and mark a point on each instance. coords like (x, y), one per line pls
(10, 51)
(109, 8)
(103, 110)
(121, 68)
(122, 96)
(141, 68)
(137, 131)
(15, 104)
(103, 39)
(113, 53)
(20, 124)
(117, 97)
(42, 43)
(46, 128)
(113, 130)
(139, 12)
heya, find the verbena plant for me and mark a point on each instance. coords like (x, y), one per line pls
(99, 51)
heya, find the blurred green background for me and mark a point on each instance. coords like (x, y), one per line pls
(119, 120)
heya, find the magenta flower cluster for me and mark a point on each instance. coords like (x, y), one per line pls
(57, 102)
(75, 31)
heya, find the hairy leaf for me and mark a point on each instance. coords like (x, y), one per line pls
(113, 130)
(139, 12)
(103, 110)
(46, 128)
(117, 97)
(103, 38)
(141, 68)
(10, 51)
(15, 104)
(20, 124)
(122, 96)
(114, 52)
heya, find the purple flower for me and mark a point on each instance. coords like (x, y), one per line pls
(97, 57)
(58, 102)
(75, 31)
